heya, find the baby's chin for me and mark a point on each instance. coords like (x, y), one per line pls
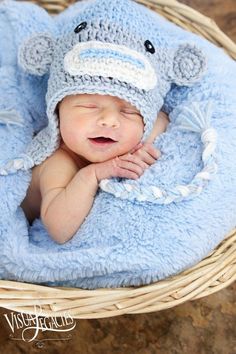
(100, 156)
(99, 159)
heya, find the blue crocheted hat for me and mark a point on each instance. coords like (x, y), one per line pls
(107, 48)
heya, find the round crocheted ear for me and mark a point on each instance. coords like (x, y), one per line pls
(36, 53)
(188, 65)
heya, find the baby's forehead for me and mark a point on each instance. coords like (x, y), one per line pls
(98, 98)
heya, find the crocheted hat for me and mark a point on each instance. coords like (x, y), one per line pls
(107, 48)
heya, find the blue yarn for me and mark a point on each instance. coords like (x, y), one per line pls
(91, 53)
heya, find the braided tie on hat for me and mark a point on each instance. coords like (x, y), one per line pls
(192, 119)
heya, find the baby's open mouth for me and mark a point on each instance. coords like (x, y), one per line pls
(102, 140)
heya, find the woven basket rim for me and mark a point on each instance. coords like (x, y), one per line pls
(210, 275)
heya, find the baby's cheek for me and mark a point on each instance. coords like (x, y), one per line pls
(68, 134)
(136, 134)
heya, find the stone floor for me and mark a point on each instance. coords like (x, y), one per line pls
(205, 326)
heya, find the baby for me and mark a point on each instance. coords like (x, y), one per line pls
(106, 86)
(100, 138)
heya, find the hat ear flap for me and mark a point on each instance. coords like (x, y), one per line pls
(188, 65)
(36, 53)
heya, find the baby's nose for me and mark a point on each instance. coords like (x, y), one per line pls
(109, 119)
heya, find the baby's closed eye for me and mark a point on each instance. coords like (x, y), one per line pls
(130, 111)
(86, 105)
(86, 108)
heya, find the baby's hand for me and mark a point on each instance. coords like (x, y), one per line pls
(147, 153)
(131, 165)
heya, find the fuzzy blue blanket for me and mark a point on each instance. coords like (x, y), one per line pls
(136, 232)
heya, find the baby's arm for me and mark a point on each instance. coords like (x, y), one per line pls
(68, 193)
(67, 196)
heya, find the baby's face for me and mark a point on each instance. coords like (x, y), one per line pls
(99, 127)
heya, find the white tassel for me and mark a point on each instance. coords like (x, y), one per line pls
(195, 119)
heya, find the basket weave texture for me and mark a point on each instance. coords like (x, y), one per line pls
(210, 275)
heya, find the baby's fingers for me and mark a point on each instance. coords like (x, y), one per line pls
(135, 159)
(148, 154)
(151, 150)
(129, 165)
(137, 147)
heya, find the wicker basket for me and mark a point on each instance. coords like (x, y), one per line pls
(212, 274)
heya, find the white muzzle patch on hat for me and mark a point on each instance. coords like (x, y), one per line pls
(96, 58)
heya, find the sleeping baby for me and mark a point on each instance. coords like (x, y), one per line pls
(106, 87)
(100, 138)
